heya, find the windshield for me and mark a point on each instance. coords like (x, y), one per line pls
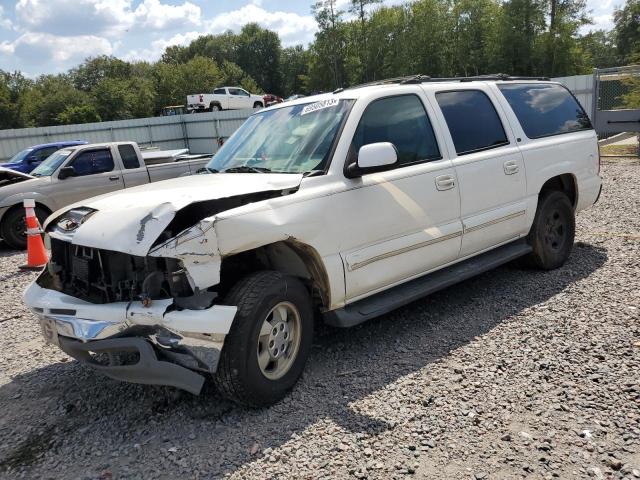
(295, 139)
(20, 156)
(51, 164)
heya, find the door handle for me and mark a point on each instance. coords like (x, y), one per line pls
(511, 167)
(445, 182)
(113, 178)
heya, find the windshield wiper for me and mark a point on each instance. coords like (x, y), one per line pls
(247, 169)
(211, 170)
(313, 173)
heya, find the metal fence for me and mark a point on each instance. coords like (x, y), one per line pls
(198, 132)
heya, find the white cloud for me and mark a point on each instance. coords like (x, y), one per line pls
(103, 17)
(43, 48)
(157, 48)
(291, 27)
(155, 15)
(6, 48)
(4, 21)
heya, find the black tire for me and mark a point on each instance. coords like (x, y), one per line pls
(13, 228)
(215, 108)
(257, 105)
(239, 376)
(553, 231)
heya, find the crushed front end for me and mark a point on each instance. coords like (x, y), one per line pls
(133, 318)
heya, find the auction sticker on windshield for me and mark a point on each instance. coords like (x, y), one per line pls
(322, 104)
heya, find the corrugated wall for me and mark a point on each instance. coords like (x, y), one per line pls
(198, 132)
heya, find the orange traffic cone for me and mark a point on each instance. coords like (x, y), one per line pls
(36, 253)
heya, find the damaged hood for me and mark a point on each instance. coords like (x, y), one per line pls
(8, 175)
(131, 220)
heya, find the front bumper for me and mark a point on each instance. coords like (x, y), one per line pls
(171, 344)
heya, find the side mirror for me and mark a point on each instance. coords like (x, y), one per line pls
(32, 159)
(66, 172)
(375, 157)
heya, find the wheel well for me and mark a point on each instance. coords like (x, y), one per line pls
(562, 183)
(258, 103)
(19, 205)
(290, 257)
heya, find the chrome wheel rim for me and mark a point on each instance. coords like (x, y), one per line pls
(279, 340)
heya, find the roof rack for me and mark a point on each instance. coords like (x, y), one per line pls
(416, 79)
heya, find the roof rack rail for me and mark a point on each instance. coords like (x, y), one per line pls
(416, 79)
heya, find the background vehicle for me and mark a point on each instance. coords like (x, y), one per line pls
(294, 97)
(340, 207)
(173, 110)
(31, 157)
(224, 98)
(271, 99)
(79, 172)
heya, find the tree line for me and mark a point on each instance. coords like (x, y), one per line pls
(364, 42)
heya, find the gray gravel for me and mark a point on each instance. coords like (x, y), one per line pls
(513, 374)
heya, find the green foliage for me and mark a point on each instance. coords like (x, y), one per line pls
(627, 30)
(49, 96)
(78, 114)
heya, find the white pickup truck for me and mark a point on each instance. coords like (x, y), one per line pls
(76, 173)
(223, 98)
(335, 208)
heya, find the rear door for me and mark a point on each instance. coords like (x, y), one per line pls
(95, 173)
(133, 173)
(489, 167)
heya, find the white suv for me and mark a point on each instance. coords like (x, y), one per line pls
(335, 208)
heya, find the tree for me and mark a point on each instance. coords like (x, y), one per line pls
(78, 114)
(294, 64)
(50, 96)
(523, 22)
(627, 30)
(328, 61)
(87, 75)
(258, 54)
(360, 39)
(599, 49)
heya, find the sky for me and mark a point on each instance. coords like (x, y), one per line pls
(51, 36)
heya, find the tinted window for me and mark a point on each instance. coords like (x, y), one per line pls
(402, 121)
(128, 156)
(219, 91)
(545, 109)
(472, 119)
(44, 153)
(92, 162)
(234, 91)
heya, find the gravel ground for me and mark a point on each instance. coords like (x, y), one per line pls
(516, 373)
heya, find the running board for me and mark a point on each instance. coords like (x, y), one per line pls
(388, 300)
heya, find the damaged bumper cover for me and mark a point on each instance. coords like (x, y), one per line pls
(189, 341)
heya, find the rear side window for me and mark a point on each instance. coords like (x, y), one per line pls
(219, 91)
(403, 121)
(545, 109)
(129, 156)
(92, 162)
(472, 120)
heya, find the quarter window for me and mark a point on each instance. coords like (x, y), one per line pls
(403, 121)
(545, 109)
(129, 156)
(92, 162)
(472, 120)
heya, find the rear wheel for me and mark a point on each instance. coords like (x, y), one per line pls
(257, 105)
(266, 349)
(553, 231)
(14, 227)
(215, 108)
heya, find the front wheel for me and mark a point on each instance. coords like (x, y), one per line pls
(14, 227)
(267, 347)
(553, 231)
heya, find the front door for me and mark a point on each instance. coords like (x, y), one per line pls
(95, 174)
(489, 167)
(407, 220)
